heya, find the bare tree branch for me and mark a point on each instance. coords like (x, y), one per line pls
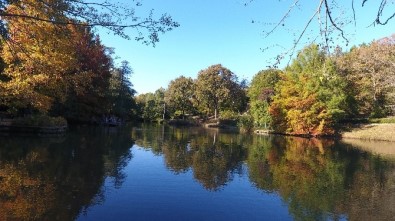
(330, 24)
(328, 12)
(283, 18)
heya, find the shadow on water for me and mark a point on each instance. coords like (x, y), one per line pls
(317, 179)
(58, 178)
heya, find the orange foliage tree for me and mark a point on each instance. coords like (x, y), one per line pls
(310, 98)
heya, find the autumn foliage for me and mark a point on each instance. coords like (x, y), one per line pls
(319, 91)
(310, 98)
(55, 69)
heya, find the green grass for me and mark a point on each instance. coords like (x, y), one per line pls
(387, 120)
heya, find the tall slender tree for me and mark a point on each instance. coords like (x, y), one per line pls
(121, 91)
(261, 92)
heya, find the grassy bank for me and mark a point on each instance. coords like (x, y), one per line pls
(373, 131)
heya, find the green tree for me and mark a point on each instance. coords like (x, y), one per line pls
(260, 92)
(152, 105)
(179, 95)
(121, 92)
(146, 104)
(214, 87)
(239, 99)
(310, 99)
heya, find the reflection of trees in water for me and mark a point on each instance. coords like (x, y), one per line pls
(57, 178)
(215, 163)
(214, 157)
(317, 179)
(322, 180)
(372, 189)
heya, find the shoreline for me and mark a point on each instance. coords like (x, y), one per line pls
(25, 129)
(11, 126)
(368, 132)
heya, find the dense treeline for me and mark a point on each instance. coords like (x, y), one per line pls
(216, 92)
(318, 91)
(314, 95)
(60, 70)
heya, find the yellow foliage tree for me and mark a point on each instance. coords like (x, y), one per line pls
(310, 99)
(38, 57)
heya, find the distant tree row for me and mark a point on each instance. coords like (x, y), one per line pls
(215, 92)
(312, 96)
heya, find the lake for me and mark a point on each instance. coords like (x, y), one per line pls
(151, 172)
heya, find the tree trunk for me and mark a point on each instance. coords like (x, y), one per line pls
(164, 111)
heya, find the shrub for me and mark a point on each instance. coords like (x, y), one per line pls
(245, 123)
(228, 115)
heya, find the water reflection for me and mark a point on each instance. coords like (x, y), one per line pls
(214, 157)
(322, 180)
(58, 178)
(317, 179)
(63, 178)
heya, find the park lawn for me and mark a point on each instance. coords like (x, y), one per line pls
(374, 131)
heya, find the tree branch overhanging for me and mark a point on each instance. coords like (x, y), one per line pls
(333, 23)
(114, 17)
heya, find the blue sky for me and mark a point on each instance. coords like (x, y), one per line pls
(222, 31)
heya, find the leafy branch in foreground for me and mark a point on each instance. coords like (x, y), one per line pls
(113, 16)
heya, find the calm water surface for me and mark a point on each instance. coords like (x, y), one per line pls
(146, 172)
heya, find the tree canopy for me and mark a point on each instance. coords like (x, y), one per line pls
(214, 87)
(180, 94)
(310, 98)
(370, 69)
(260, 92)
